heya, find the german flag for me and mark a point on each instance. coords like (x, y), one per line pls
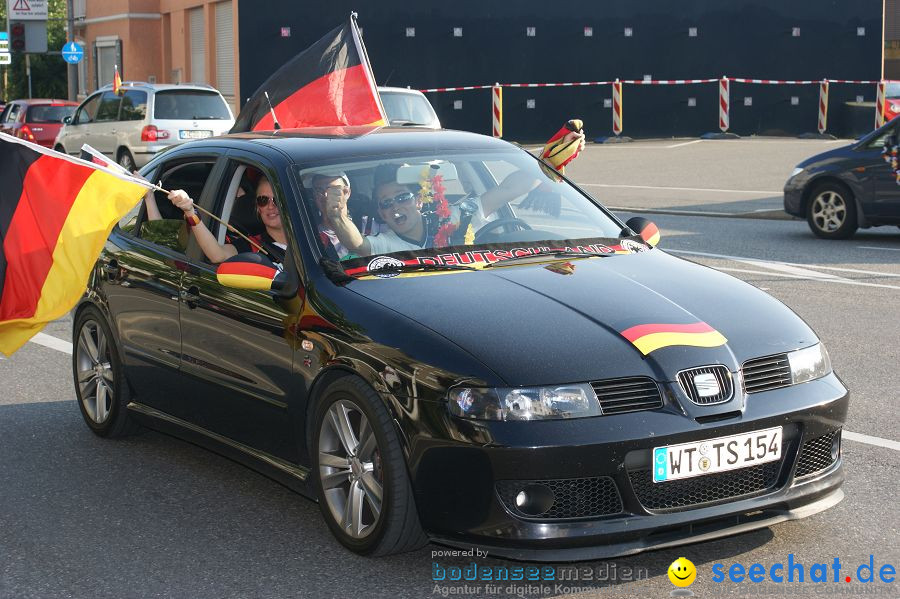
(651, 337)
(557, 151)
(55, 215)
(246, 272)
(329, 84)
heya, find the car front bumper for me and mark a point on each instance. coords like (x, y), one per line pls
(793, 196)
(465, 490)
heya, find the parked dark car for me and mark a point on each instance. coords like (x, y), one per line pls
(550, 387)
(846, 188)
(36, 120)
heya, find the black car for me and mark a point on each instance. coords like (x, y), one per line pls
(543, 382)
(841, 190)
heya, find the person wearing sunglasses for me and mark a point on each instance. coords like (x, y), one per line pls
(273, 238)
(338, 184)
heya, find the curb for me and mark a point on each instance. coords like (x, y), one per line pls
(756, 214)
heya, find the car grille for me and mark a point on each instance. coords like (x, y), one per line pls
(816, 455)
(765, 374)
(574, 497)
(723, 378)
(633, 394)
(754, 480)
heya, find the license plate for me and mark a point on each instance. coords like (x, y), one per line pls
(194, 134)
(685, 460)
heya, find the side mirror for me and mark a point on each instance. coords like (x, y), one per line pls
(648, 231)
(251, 271)
(67, 120)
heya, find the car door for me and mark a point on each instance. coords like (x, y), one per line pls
(75, 133)
(101, 134)
(885, 188)
(237, 344)
(143, 266)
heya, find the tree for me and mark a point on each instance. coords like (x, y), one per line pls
(48, 71)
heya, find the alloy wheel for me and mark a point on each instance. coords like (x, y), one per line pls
(829, 211)
(94, 372)
(350, 469)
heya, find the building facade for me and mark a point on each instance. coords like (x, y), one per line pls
(159, 41)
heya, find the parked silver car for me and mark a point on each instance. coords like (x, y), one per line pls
(408, 108)
(143, 119)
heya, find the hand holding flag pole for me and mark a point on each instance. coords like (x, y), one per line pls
(97, 158)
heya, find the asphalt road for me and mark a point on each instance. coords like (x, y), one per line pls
(152, 516)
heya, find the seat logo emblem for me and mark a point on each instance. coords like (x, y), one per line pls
(706, 385)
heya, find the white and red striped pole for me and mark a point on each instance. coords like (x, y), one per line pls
(497, 110)
(823, 106)
(879, 105)
(724, 101)
(617, 107)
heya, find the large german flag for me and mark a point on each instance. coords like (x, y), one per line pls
(328, 84)
(651, 337)
(55, 215)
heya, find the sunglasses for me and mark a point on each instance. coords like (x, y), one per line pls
(399, 199)
(263, 201)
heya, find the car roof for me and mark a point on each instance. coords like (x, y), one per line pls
(400, 90)
(143, 85)
(336, 143)
(42, 101)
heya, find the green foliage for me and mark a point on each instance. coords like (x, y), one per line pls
(48, 71)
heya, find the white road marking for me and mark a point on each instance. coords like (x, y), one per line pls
(786, 269)
(53, 343)
(869, 247)
(895, 445)
(751, 191)
(687, 143)
(66, 348)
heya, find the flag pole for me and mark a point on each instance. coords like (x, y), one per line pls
(361, 48)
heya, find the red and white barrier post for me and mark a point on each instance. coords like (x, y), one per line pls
(724, 102)
(879, 105)
(617, 107)
(823, 106)
(497, 110)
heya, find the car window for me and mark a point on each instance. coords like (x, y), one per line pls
(169, 229)
(4, 112)
(134, 105)
(892, 90)
(878, 142)
(13, 114)
(48, 113)
(88, 111)
(189, 105)
(109, 108)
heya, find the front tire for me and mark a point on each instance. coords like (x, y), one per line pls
(831, 213)
(100, 384)
(359, 472)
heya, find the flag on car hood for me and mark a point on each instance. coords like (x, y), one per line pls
(55, 215)
(328, 84)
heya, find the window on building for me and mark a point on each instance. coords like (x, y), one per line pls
(107, 55)
(225, 49)
(198, 46)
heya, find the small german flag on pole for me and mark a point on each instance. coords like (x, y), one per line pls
(55, 215)
(117, 81)
(330, 84)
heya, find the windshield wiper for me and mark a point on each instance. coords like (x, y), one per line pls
(552, 253)
(399, 268)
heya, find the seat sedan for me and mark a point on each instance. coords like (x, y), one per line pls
(526, 373)
(847, 188)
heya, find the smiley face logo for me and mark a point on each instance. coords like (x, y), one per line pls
(682, 572)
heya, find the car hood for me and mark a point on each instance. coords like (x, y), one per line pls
(825, 158)
(537, 325)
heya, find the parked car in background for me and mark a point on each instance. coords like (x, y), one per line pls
(143, 119)
(892, 100)
(841, 190)
(408, 108)
(36, 120)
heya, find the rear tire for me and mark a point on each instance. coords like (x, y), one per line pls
(831, 212)
(100, 384)
(60, 149)
(126, 160)
(359, 472)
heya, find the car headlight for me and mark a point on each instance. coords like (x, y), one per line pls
(530, 403)
(796, 172)
(809, 364)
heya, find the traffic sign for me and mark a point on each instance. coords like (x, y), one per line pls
(5, 56)
(72, 53)
(27, 10)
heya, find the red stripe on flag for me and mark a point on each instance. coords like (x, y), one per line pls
(48, 192)
(640, 330)
(343, 97)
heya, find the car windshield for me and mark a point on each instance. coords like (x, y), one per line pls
(186, 105)
(454, 208)
(403, 108)
(892, 90)
(48, 113)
